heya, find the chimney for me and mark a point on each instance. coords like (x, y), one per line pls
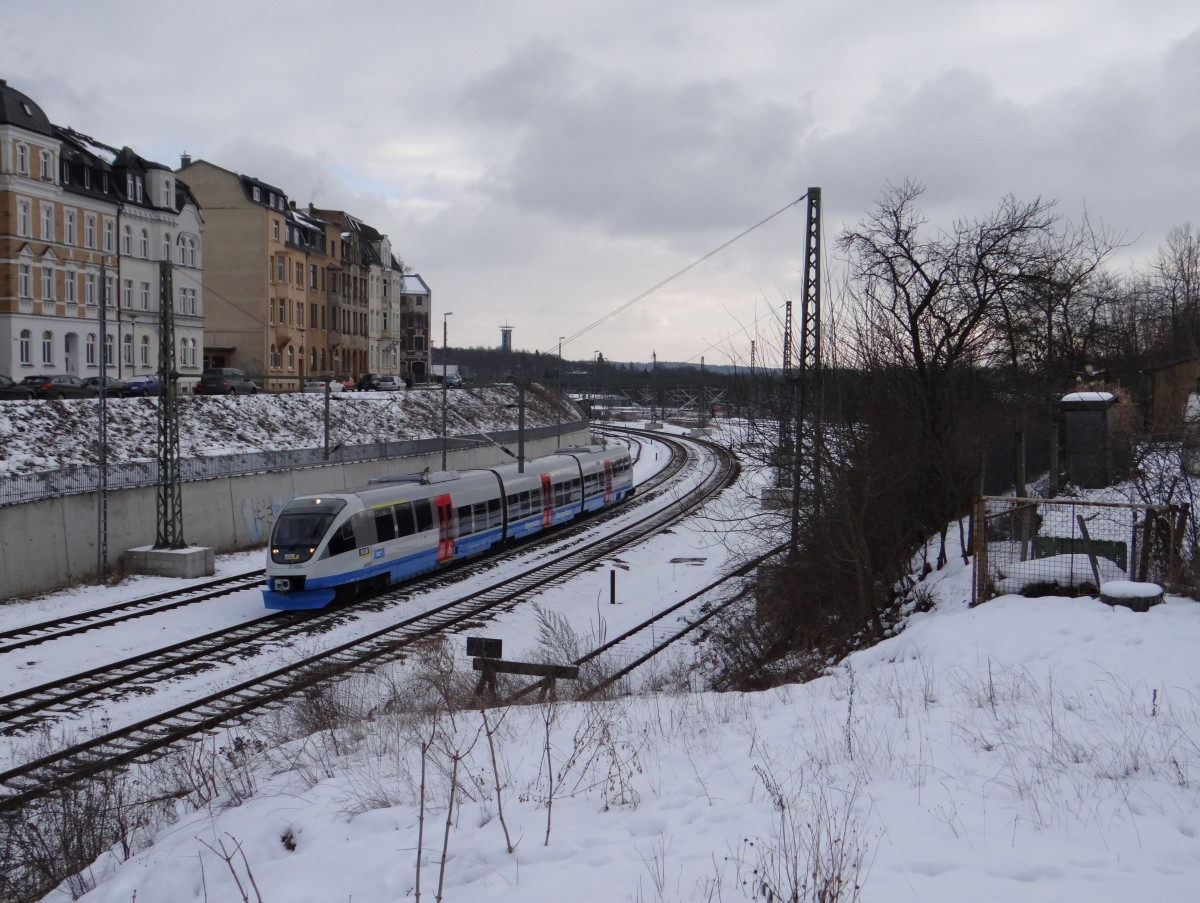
(185, 160)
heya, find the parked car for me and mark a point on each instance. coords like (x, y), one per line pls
(12, 390)
(114, 387)
(387, 383)
(318, 385)
(64, 385)
(225, 381)
(366, 382)
(139, 386)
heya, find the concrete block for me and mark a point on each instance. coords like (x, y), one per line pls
(190, 562)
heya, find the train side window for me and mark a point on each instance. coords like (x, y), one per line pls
(404, 519)
(424, 512)
(480, 512)
(343, 540)
(494, 517)
(385, 525)
(465, 526)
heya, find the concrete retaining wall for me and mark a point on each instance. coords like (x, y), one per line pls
(51, 544)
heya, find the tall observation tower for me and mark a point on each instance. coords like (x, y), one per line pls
(506, 338)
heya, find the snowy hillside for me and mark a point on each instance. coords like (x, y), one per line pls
(45, 435)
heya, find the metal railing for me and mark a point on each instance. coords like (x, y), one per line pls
(16, 489)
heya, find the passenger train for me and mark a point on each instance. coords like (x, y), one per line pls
(341, 544)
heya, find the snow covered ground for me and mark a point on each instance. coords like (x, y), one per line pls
(1028, 749)
(45, 435)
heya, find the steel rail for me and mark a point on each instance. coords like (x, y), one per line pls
(152, 737)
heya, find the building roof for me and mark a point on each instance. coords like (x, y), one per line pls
(17, 109)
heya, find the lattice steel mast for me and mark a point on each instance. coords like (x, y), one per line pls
(170, 495)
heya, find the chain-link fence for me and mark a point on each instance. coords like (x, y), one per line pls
(1035, 546)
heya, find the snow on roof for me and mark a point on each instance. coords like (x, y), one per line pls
(1088, 396)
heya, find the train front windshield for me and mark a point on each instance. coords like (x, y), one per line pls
(301, 527)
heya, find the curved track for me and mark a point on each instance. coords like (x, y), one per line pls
(153, 736)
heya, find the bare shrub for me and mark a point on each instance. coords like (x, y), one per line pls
(815, 854)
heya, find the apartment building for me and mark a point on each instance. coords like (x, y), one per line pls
(258, 258)
(58, 255)
(412, 326)
(83, 228)
(159, 221)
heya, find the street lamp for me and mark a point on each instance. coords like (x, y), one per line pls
(444, 318)
(595, 381)
(558, 432)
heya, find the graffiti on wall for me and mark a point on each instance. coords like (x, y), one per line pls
(260, 514)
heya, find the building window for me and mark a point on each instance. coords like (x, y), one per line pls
(24, 280)
(299, 274)
(127, 294)
(69, 227)
(275, 229)
(257, 194)
(110, 290)
(90, 349)
(137, 188)
(191, 251)
(280, 272)
(166, 254)
(166, 197)
(145, 296)
(282, 311)
(47, 283)
(89, 289)
(271, 203)
(47, 222)
(291, 357)
(87, 178)
(24, 346)
(145, 351)
(22, 159)
(127, 350)
(47, 347)
(271, 312)
(110, 236)
(274, 358)
(129, 185)
(69, 287)
(89, 230)
(181, 248)
(144, 245)
(47, 166)
(24, 218)
(110, 350)
(127, 241)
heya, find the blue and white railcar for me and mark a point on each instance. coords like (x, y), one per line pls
(344, 543)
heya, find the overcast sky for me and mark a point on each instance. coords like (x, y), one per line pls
(542, 163)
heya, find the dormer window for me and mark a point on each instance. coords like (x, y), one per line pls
(271, 199)
(87, 178)
(138, 188)
(166, 195)
(257, 194)
(129, 185)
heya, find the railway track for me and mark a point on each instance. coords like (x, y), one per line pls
(93, 619)
(154, 736)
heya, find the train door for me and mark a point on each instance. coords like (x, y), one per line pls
(608, 482)
(547, 501)
(444, 508)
